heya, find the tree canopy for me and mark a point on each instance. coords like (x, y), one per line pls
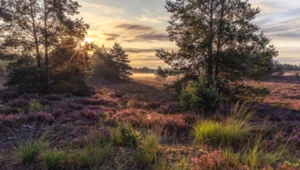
(217, 39)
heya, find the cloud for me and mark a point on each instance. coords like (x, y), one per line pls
(144, 18)
(111, 37)
(136, 33)
(134, 27)
(139, 50)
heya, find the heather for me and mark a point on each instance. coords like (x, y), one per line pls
(221, 101)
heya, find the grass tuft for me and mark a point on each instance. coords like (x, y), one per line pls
(53, 159)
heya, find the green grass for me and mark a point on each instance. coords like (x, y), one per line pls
(234, 129)
(148, 150)
(53, 159)
(27, 151)
(93, 156)
(35, 106)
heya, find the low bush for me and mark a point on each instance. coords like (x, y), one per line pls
(200, 97)
(53, 159)
(147, 151)
(125, 135)
(297, 74)
(35, 106)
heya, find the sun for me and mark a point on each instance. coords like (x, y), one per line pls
(86, 40)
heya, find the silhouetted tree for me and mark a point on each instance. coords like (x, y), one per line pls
(112, 64)
(37, 28)
(160, 74)
(217, 39)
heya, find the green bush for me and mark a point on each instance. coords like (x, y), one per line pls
(35, 106)
(125, 135)
(148, 150)
(53, 159)
(297, 74)
(199, 96)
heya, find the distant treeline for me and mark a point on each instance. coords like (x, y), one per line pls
(143, 70)
(289, 67)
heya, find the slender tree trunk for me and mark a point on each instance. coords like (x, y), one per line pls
(219, 46)
(46, 46)
(38, 54)
(210, 48)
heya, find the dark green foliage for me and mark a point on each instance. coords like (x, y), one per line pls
(44, 43)
(249, 94)
(23, 75)
(126, 136)
(112, 64)
(200, 96)
(217, 39)
(161, 74)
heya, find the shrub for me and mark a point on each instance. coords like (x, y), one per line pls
(27, 151)
(199, 96)
(297, 74)
(53, 159)
(148, 150)
(125, 135)
(35, 106)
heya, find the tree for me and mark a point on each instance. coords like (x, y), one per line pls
(160, 74)
(121, 60)
(37, 28)
(112, 63)
(217, 39)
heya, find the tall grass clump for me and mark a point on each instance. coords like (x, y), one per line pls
(93, 156)
(96, 151)
(259, 151)
(27, 151)
(234, 129)
(147, 151)
(53, 159)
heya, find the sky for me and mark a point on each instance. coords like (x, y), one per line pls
(139, 26)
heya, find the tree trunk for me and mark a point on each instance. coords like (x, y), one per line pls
(219, 46)
(38, 55)
(210, 48)
(46, 47)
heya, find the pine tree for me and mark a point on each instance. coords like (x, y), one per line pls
(112, 64)
(217, 38)
(122, 62)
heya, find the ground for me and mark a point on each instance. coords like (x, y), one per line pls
(144, 102)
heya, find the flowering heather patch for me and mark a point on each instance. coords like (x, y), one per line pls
(170, 107)
(40, 116)
(213, 160)
(19, 103)
(144, 118)
(76, 106)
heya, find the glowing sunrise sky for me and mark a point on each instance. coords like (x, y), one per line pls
(139, 26)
